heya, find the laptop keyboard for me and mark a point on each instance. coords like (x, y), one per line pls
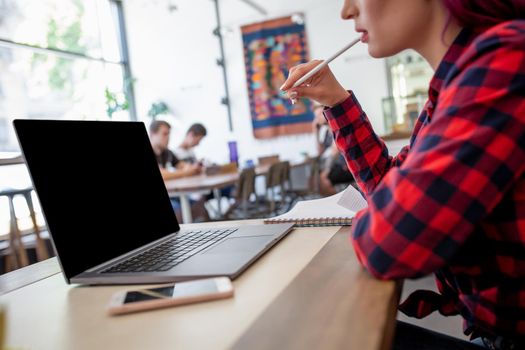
(172, 252)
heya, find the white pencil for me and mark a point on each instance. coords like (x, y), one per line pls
(325, 63)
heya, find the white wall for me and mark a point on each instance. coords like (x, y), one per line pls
(173, 59)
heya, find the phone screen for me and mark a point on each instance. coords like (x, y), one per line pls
(178, 290)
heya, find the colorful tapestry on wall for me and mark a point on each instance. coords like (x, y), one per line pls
(270, 49)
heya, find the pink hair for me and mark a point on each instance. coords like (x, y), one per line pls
(485, 13)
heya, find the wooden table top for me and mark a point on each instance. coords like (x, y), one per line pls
(11, 158)
(208, 182)
(201, 182)
(307, 292)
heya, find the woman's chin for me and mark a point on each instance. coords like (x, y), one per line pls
(374, 52)
(379, 52)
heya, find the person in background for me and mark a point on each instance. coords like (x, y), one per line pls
(193, 138)
(173, 168)
(322, 133)
(185, 152)
(452, 202)
(333, 166)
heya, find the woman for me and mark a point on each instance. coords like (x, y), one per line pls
(453, 201)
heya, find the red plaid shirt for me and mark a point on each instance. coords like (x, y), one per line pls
(453, 201)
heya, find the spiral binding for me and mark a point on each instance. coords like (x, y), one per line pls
(313, 222)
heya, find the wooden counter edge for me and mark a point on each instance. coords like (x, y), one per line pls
(28, 275)
(332, 304)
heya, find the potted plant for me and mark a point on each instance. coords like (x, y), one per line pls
(158, 108)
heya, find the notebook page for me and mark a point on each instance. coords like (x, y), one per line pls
(318, 209)
(352, 199)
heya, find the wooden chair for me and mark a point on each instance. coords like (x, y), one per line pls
(229, 168)
(268, 160)
(221, 169)
(243, 206)
(315, 175)
(312, 189)
(16, 254)
(277, 178)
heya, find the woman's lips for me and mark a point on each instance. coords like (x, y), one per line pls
(364, 37)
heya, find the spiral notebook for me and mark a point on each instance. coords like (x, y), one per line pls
(336, 210)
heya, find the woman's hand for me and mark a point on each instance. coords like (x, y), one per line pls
(323, 87)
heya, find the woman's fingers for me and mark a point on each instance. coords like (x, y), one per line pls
(303, 91)
(298, 72)
(322, 87)
(326, 95)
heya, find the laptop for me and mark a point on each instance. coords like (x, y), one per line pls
(109, 214)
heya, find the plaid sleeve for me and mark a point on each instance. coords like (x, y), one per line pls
(365, 153)
(459, 168)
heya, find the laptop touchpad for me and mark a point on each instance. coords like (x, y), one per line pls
(239, 245)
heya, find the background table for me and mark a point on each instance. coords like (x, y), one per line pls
(11, 158)
(186, 186)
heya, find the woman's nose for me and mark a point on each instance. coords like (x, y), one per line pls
(349, 10)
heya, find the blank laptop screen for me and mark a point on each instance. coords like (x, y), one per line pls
(99, 187)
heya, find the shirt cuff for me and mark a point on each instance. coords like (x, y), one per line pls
(344, 113)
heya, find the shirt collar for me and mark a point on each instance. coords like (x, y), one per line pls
(455, 50)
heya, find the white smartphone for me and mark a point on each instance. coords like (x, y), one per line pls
(172, 295)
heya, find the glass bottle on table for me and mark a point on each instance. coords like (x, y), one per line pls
(234, 155)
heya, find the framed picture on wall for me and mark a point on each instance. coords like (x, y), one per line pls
(271, 48)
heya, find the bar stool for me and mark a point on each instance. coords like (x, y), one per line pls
(17, 254)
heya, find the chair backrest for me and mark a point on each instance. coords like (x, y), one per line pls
(278, 174)
(221, 169)
(245, 184)
(315, 174)
(285, 171)
(229, 168)
(268, 160)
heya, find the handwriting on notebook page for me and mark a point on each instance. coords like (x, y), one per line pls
(352, 199)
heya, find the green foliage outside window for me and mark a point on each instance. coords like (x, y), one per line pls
(67, 38)
(115, 102)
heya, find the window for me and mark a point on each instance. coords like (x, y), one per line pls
(409, 76)
(62, 59)
(59, 59)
